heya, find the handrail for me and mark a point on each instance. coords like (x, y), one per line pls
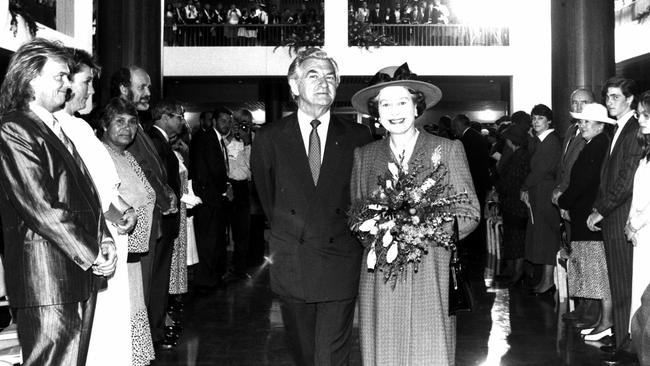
(251, 35)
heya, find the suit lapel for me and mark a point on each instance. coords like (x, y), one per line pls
(69, 160)
(291, 139)
(333, 152)
(631, 124)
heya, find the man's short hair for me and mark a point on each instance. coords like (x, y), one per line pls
(81, 58)
(311, 53)
(628, 88)
(165, 106)
(583, 90)
(24, 66)
(463, 120)
(221, 109)
(121, 77)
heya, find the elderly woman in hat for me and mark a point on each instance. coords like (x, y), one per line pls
(587, 268)
(515, 168)
(410, 323)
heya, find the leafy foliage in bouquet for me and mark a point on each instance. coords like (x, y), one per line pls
(406, 215)
(361, 34)
(304, 36)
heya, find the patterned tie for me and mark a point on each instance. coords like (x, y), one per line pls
(225, 154)
(314, 151)
(58, 131)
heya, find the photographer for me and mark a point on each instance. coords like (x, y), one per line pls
(239, 176)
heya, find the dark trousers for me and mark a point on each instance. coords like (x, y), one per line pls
(147, 259)
(319, 332)
(240, 223)
(159, 283)
(210, 232)
(618, 253)
(56, 334)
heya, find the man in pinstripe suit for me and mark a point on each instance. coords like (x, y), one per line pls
(57, 245)
(614, 198)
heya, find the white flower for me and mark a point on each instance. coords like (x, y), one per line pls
(428, 183)
(374, 230)
(392, 167)
(387, 225)
(405, 167)
(375, 207)
(367, 225)
(436, 156)
(392, 253)
(387, 239)
(389, 184)
(372, 258)
(415, 220)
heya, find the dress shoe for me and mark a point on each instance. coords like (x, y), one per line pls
(597, 336)
(586, 331)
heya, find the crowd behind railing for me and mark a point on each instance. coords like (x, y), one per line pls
(416, 23)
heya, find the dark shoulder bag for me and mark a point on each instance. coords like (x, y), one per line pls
(460, 292)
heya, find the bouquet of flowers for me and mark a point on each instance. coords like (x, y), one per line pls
(403, 218)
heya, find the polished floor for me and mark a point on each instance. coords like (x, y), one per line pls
(242, 326)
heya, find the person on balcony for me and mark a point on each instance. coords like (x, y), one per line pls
(191, 13)
(375, 15)
(363, 13)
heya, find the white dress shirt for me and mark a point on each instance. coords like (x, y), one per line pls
(304, 121)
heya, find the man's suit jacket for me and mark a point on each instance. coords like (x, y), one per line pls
(615, 192)
(208, 167)
(51, 215)
(571, 148)
(171, 222)
(315, 258)
(477, 157)
(375, 17)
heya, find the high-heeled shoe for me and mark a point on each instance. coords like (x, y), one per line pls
(597, 336)
(548, 292)
(586, 331)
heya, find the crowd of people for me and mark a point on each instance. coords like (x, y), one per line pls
(108, 219)
(579, 197)
(413, 12)
(228, 25)
(100, 225)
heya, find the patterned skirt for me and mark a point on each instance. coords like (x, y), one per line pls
(587, 270)
(142, 344)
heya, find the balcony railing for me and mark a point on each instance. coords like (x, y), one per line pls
(251, 35)
(443, 34)
(226, 35)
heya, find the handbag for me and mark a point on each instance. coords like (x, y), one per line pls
(460, 291)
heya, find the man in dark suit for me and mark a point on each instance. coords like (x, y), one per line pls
(133, 84)
(301, 167)
(612, 205)
(50, 246)
(476, 150)
(572, 145)
(375, 15)
(209, 174)
(169, 120)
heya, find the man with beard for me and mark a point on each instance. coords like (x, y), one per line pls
(133, 84)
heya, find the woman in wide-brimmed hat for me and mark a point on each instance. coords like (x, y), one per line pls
(410, 323)
(587, 267)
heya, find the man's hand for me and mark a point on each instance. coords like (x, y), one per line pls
(523, 196)
(630, 233)
(127, 222)
(593, 219)
(173, 204)
(106, 260)
(556, 196)
(565, 215)
(230, 195)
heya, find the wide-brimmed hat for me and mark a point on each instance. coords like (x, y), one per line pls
(516, 133)
(594, 112)
(395, 76)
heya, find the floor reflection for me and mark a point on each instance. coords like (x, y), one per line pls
(243, 326)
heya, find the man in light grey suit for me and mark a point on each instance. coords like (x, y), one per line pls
(58, 249)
